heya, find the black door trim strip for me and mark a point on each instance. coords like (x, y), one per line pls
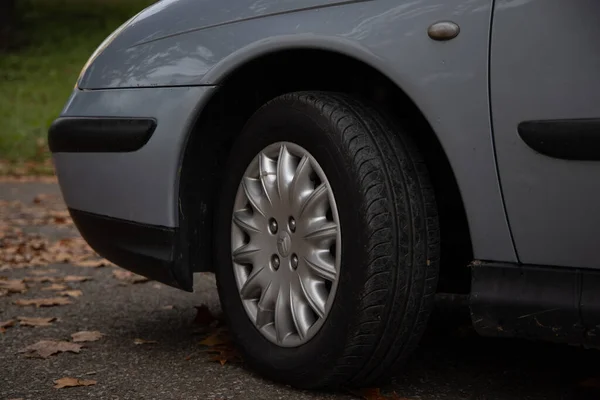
(567, 139)
(99, 134)
(558, 304)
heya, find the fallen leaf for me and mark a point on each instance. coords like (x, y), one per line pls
(71, 293)
(214, 340)
(48, 302)
(13, 286)
(224, 354)
(62, 257)
(56, 286)
(371, 394)
(128, 276)
(203, 315)
(59, 219)
(40, 198)
(143, 341)
(46, 348)
(31, 321)
(6, 324)
(169, 307)
(75, 278)
(73, 382)
(87, 336)
(92, 263)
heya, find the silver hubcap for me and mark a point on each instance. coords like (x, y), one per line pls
(286, 244)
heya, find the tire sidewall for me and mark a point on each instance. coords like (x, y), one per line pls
(283, 120)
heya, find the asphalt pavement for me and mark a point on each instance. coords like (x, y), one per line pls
(452, 362)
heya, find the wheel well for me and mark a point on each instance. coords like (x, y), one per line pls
(267, 77)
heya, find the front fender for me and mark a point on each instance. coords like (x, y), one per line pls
(171, 43)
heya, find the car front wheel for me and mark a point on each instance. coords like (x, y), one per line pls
(327, 242)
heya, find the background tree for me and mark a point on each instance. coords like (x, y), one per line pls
(7, 16)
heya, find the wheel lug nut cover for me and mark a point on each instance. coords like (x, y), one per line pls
(273, 226)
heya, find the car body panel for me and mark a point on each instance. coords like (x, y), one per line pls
(549, 73)
(139, 186)
(446, 80)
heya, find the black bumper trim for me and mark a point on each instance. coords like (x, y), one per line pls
(99, 134)
(147, 250)
(568, 139)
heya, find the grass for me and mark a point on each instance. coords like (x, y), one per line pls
(54, 40)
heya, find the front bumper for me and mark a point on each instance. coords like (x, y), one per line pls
(144, 249)
(139, 184)
(117, 154)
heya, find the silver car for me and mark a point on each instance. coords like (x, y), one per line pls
(337, 163)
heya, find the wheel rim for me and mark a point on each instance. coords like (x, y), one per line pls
(286, 244)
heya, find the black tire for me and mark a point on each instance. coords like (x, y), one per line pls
(390, 242)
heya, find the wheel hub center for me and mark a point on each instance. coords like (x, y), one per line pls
(284, 244)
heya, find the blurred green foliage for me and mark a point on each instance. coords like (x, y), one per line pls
(53, 41)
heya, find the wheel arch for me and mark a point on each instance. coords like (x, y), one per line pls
(248, 79)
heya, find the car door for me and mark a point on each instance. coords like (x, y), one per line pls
(545, 109)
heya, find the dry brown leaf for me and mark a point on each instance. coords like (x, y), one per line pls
(60, 217)
(139, 341)
(13, 286)
(19, 249)
(73, 382)
(47, 302)
(61, 257)
(68, 250)
(71, 293)
(92, 263)
(128, 276)
(224, 354)
(215, 340)
(6, 324)
(203, 315)
(31, 321)
(75, 278)
(46, 348)
(40, 198)
(56, 286)
(87, 336)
